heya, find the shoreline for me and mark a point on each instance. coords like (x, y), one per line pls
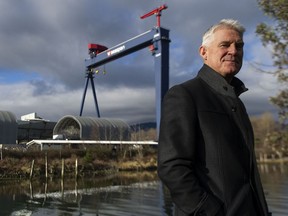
(75, 163)
(55, 169)
(86, 171)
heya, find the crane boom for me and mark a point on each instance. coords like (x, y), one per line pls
(156, 11)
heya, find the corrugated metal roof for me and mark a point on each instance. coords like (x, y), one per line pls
(91, 128)
(8, 128)
(32, 129)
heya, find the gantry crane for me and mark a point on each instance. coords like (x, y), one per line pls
(157, 39)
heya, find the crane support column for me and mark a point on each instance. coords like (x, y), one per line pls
(90, 76)
(161, 70)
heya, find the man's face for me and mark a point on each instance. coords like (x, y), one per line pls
(224, 54)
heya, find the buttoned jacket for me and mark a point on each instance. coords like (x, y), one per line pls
(206, 153)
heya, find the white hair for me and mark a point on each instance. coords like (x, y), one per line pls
(224, 23)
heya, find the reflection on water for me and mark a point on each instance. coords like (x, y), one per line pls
(122, 194)
(275, 182)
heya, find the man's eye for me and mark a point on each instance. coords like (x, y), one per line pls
(240, 45)
(224, 45)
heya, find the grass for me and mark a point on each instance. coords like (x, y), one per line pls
(91, 161)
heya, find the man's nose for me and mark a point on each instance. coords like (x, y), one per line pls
(233, 49)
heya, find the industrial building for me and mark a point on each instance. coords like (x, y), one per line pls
(8, 128)
(91, 128)
(33, 127)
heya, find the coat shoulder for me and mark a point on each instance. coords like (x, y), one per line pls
(192, 87)
(193, 84)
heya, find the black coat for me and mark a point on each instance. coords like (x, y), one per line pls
(206, 149)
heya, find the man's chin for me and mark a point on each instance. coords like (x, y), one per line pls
(233, 69)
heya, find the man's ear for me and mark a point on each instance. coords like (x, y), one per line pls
(203, 52)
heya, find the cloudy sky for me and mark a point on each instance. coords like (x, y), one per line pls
(44, 44)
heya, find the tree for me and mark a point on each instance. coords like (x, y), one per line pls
(276, 36)
(277, 143)
(262, 126)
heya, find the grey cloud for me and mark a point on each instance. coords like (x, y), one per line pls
(50, 38)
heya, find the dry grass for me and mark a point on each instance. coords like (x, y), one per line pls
(17, 164)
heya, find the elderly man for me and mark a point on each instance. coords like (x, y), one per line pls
(206, 146)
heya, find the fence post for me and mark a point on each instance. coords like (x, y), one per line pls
(76, 168)
(62, 169)
(31, 170)
(46, 166)
(1, 152)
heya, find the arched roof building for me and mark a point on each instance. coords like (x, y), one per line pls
(91, 128)
(8, 128)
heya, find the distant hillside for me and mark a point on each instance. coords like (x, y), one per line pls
(143, 126)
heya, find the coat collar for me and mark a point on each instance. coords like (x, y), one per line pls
(219, 84)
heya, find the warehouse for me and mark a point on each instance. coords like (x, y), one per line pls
(8, 128)
(91, 128)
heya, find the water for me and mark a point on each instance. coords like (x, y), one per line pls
(130, 194)
(275, 182)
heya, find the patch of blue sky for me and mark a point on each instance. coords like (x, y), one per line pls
(9, 76)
